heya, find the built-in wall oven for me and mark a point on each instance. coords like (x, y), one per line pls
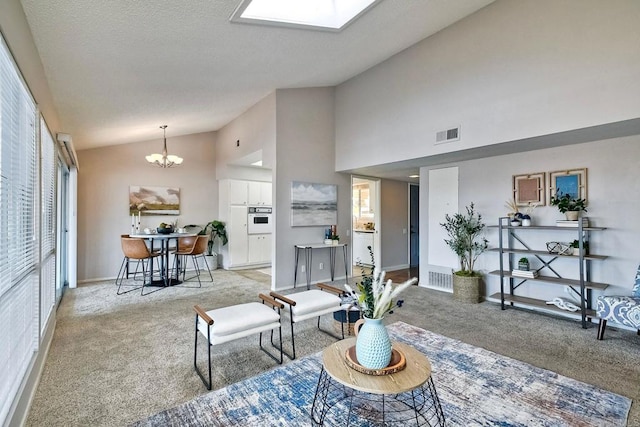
(259, 220)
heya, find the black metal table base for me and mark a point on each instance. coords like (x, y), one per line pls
(340, 405)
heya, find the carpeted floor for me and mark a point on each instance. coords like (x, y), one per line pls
(475, 387)
(118, 359)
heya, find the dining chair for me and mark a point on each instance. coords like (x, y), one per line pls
(197, 249)
(135, 249)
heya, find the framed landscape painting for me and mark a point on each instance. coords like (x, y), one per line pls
(154, 200)
(313, 204)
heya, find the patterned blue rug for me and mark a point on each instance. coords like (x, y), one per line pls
(476, 388)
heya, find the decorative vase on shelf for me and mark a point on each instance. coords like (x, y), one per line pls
(373, 346)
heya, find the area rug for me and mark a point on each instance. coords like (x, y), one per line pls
(476, 388)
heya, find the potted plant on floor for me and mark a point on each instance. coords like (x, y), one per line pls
(466, 240)
(216, 230)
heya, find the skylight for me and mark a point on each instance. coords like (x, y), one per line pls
(331, 15)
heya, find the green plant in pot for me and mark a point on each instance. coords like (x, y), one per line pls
(523, 264)
(569, 205)
(576, 247)
(215, 230)
(466, 239)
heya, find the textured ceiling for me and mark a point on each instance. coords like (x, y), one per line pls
(118, 69)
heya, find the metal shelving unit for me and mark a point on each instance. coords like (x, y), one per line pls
(581, 286)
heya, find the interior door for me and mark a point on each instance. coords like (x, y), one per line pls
(414, 225)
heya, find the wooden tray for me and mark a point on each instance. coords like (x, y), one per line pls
(398, 363)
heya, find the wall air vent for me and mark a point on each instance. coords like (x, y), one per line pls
(448, 135)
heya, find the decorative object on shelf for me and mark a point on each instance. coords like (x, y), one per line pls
(523, 264)
(528, 189)
(335, 239)
(571, 182)
(466, 240)
(575, 246)
(559, 248)
(375, 298)
(513, 212)
(164, 160)
(518, 217)
(569, 205)
(574, 224)
(563, 304)
(524, 274)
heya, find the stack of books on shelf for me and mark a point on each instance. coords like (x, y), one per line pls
(524, 273)
(567, 223)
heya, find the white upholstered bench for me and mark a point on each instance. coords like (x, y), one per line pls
(312, 303)
(237, 321)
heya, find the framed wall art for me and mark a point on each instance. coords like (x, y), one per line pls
(313, 204)
(154, 200)
(572, 182)
(529, 189)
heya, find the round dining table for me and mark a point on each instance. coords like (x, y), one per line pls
(166, 279)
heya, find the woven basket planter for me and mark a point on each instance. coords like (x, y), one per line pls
(467, 289)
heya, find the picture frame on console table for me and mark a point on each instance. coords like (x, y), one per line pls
(529, 189)
(572, 182)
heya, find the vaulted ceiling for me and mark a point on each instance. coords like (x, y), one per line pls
(119, 69)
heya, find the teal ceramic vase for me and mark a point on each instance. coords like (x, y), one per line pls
(373, 346)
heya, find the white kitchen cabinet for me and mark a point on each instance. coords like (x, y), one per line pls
(361, 253)
(237, 246)
(238, 192)
(259, 248)
(259, 193)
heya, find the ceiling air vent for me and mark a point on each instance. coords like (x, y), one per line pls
(448, 135)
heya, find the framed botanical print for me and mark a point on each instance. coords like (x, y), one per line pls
(572, 182)
(529, 189)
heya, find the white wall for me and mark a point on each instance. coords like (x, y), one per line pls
(103, 195)
(612, 169)
(513, 70)
(256, 131)
(305, 152)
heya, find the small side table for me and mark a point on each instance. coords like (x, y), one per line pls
(405, 398)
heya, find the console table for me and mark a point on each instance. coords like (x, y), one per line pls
(405, 398)
(308, 249)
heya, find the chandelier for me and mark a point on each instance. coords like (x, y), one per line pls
(164, 160)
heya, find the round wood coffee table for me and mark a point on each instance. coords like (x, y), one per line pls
(344, 395)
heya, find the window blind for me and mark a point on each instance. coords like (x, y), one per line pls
(19, 294)
(48, 233)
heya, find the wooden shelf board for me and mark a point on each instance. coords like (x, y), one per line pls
(546, 253)
(555, 280)
(533, 302)
(548, 227)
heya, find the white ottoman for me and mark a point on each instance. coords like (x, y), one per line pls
(313, 303)
(237, 321)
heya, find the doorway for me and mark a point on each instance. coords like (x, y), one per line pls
(414, 225)
(366, 223)
(62, 265)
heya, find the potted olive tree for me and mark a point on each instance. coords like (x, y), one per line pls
(466, 240)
